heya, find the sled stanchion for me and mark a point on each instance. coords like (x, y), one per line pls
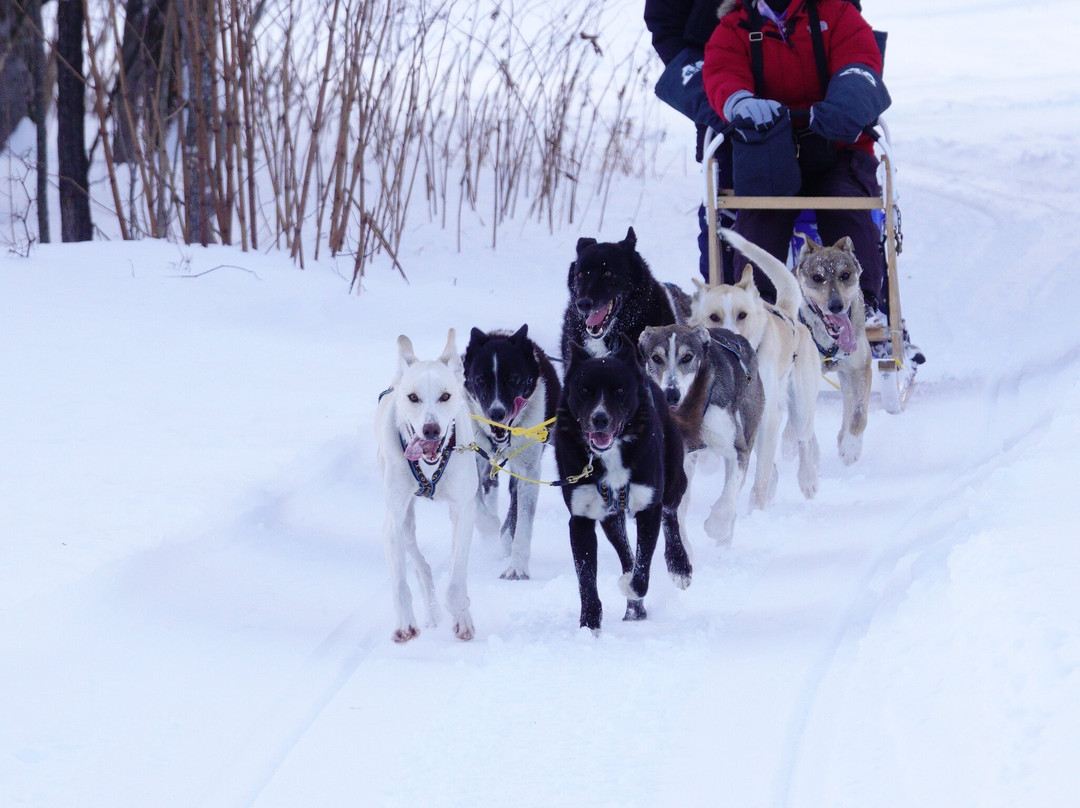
(711, 165)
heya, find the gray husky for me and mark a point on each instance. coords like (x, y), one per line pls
(832, 309)
(719, 368)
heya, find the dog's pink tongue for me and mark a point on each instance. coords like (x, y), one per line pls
(601, 440)
(414, 451)
(418, 447)
(519, 405)
(596, 318)
(840, 324)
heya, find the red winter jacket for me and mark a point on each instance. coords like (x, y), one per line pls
(791, 75)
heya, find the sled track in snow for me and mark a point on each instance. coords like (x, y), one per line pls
(265, 745)
(880, 583)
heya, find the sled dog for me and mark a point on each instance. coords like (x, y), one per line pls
(613, 293)
(616, 439)
(418, 423)
(510, 381)
(832, 308)
(787, 359)
(680, 357)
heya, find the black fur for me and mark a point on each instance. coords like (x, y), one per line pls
(614, 271)
(500, 369)
(647, 443)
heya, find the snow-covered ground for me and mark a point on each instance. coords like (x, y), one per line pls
(195, 607)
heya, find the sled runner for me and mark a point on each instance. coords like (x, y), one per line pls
(894, 368)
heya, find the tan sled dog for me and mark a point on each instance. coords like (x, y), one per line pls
(787, 360)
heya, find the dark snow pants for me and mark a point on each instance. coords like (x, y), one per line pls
(855, 174)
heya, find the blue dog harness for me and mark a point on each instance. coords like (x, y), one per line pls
(427, 487)
(617, 498)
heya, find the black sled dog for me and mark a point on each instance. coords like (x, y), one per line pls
(613, 293)
(614, 423)
(510, 381)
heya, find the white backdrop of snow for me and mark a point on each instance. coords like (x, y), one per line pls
(194, 605)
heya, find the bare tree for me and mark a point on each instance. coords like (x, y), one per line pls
(75, 223)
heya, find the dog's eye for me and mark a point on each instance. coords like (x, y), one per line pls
(415, 399)
(741, 315)
(845, 276)
(686, 359)
(714, 317)
(444, 398)
(818, 278)
(657, 359)
(619, 392)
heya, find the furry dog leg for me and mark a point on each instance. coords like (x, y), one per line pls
(463, 516)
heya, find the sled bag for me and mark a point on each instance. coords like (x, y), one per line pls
(680, 86)
(764, 162)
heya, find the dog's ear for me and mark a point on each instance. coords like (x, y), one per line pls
(699, 285)
(476, 338)
(570, 276)
(406, 354)
(521, 335)
(747, 279)
(702, 333)
(450, 357)
(630, 242)
(625, 350)
(577, 353)
(584, 242)
(845, 244)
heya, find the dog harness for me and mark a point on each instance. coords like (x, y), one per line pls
(617, 498)
(427, 487)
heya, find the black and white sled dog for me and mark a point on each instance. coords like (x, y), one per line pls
(510, 381)
(419, 422)
(719, 367)
(833, 311)
(613, 293)
(787, 359)
(616, 440)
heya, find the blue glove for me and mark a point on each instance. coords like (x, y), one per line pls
(854, 100)
(747, 108)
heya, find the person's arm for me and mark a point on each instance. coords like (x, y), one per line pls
(666, 21)
(727, 66)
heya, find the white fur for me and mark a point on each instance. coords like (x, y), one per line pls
(585, 500)
(787, 360)
(428, 381)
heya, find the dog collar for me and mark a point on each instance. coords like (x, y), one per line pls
(427, 486)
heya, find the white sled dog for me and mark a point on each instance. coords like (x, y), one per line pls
(833, 309)
(787, 360)
(418, 423)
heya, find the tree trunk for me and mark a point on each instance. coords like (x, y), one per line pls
(16, 90)
(75, 224)
(37, 71)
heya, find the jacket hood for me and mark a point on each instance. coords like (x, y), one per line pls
(726, 6)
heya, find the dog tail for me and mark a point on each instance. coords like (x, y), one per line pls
(788, 294)
(690, 413)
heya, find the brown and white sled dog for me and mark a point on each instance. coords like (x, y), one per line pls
(787, 359)
(711, 382)
(833, 310)
(418, 423)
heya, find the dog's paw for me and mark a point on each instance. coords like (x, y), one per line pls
(680, 579)
(720, 526)
(850, 447)
(628, 587)
(404, 634)
(515, 574)
(635, 611)
(463, 628)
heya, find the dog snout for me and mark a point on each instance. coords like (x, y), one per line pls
(431, 431)
(497, 412)
(836, 305)
(672, 396)
(584, 305)
(601, 421)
